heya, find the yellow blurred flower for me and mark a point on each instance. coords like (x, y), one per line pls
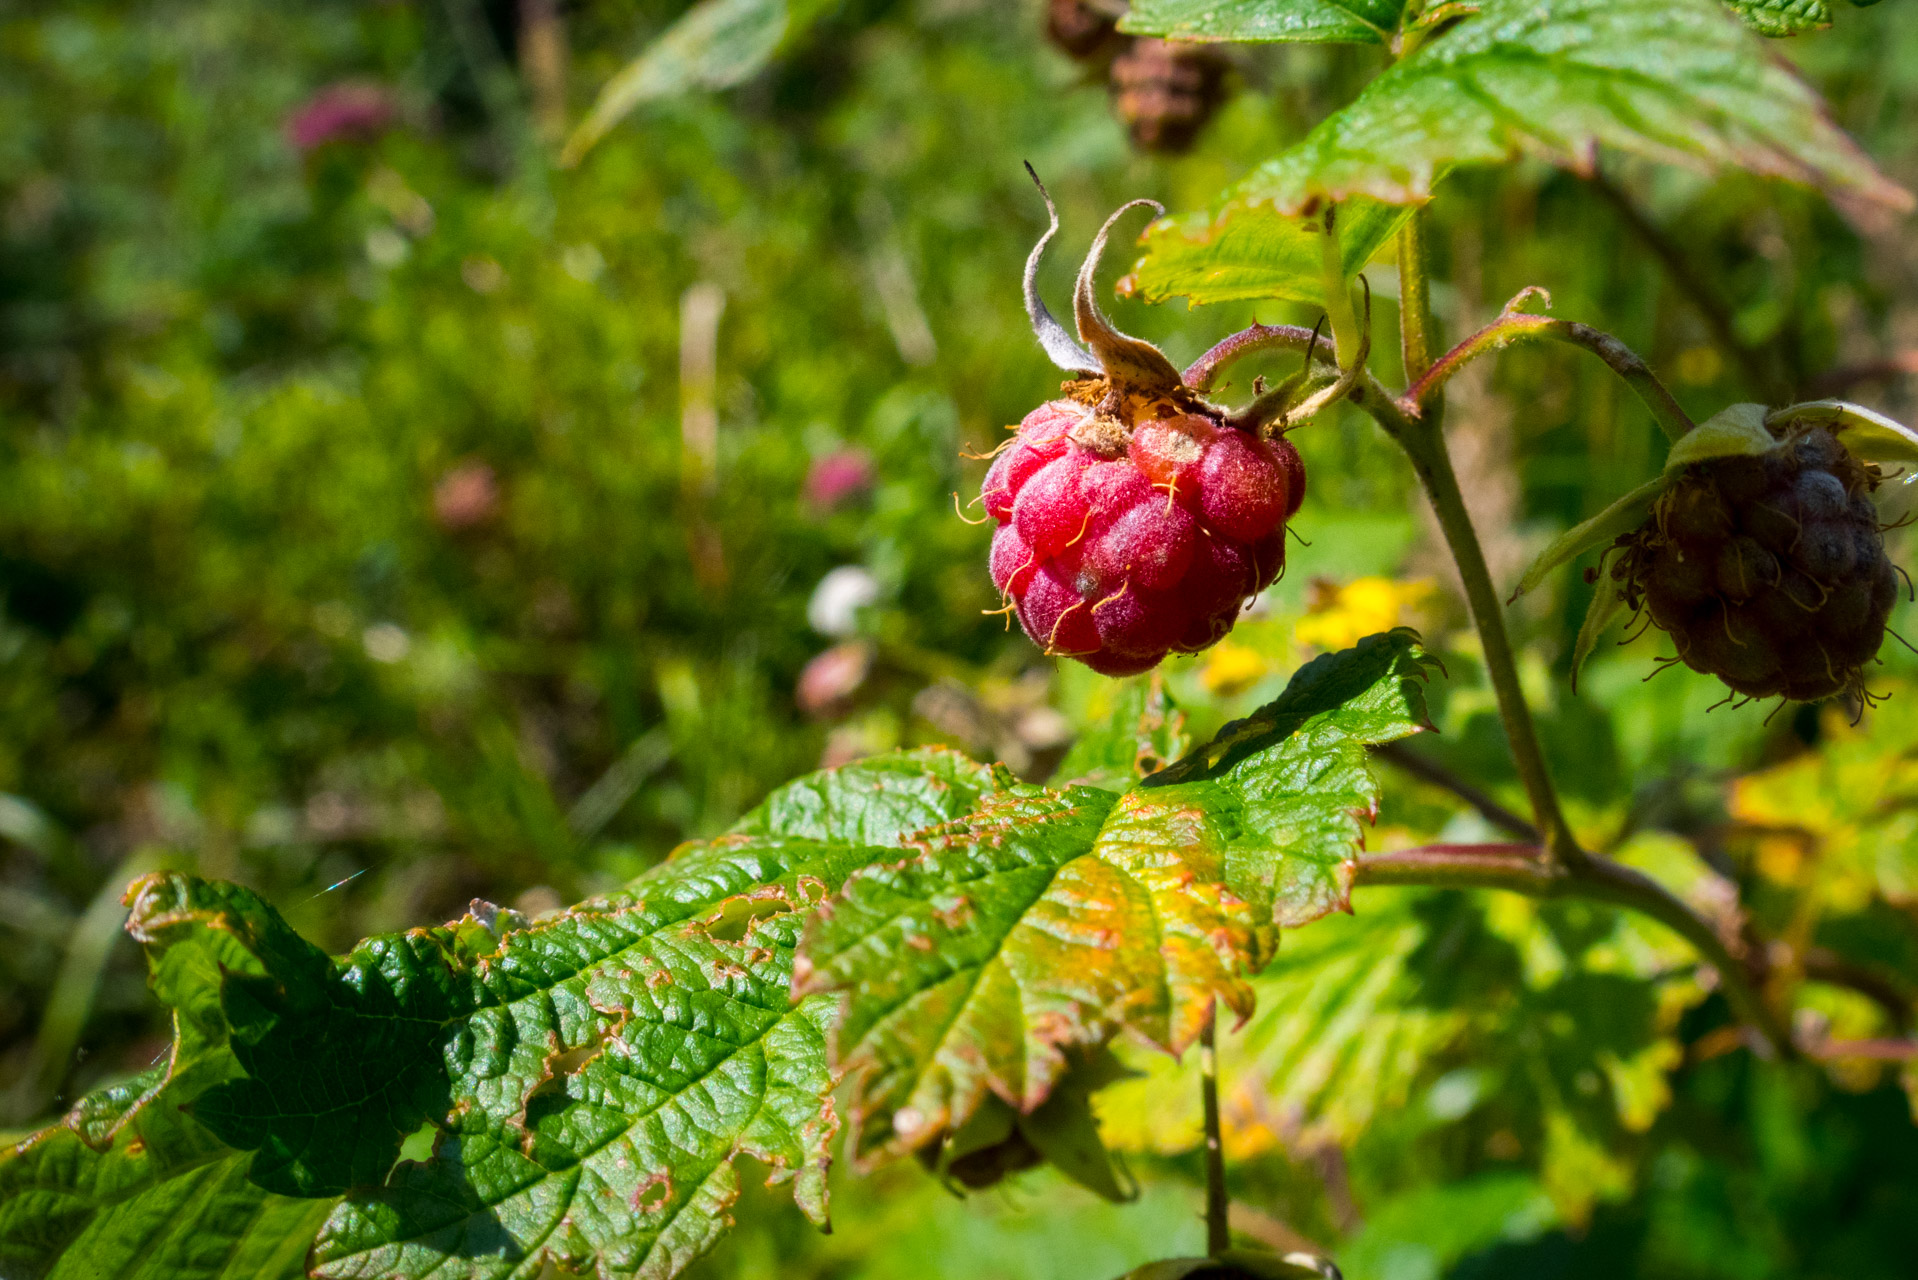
(1340, 616)
(1232, 668)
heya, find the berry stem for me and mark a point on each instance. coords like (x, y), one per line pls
(1526, 869)
(1218, 1237)
(1514, 326)
(1199, 375)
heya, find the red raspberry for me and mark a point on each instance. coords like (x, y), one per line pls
(1134, 518)
(1117, 556)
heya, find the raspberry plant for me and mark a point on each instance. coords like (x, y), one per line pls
(922, 954)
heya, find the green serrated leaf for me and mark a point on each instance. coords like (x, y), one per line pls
(1267, 21)
(1782, 17)
(1296, 776)
(1624, 515)
(1041, 922)
(1246, 251)
(615, 1062)
(1045, 922)
(129, 1187)
(1676, 80)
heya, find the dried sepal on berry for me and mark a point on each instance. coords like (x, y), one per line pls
(1134, 517)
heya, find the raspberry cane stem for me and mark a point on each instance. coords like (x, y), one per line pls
(1557, 866)
(1513, 326)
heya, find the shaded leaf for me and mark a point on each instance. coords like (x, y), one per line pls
(1677, 80)
(1260, 21)
(1782, 17)
(1244, 250)
(1866, 432)
(1737, 431)
(714, 45)
(615, 1062)
(129, 1184)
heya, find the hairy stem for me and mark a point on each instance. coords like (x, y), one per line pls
(1514, 326)
(1424, 444)
(1527, 869)
(1415, 299)
(1218, 1236)
(1201, 373)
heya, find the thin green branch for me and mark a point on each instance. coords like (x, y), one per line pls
(1425, 769)
(1218, 1234)
(1527, 869)
(1515, 326)
(1424, 444)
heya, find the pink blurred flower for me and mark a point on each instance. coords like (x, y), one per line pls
(466, 496)
(838, 476)
(352, 110)
(829, 681)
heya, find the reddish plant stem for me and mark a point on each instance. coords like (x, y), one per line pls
(1260, 337)
(1515, 326)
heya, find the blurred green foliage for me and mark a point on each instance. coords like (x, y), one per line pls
(358, 542)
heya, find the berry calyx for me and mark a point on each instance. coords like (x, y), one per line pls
(1768, 570)
(1135, 519)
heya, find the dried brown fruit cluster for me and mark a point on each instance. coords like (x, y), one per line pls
(1768, 571)
(1163, 91)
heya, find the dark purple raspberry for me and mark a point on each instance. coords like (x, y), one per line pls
(1768, 572)
(1164, 91)
(1118, 549)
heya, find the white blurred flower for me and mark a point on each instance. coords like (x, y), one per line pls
(837, 600)
(385, 642)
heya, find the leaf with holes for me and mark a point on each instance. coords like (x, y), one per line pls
(589, 1078)
(1045, 922)
(1264, 21)
(1676, 80)
(128, 1184)
(1296, 776)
